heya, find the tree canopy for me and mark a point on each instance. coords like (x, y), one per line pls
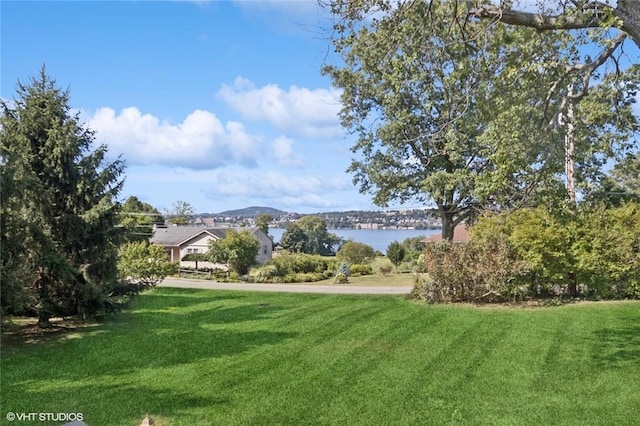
(471, 114)
(179, 213)
(309, 235)
(237, 249)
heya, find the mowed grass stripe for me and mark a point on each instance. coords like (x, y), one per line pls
(194, 357)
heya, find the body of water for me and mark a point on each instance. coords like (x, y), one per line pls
(379, 239)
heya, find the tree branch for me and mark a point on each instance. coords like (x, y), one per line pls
(627, 11)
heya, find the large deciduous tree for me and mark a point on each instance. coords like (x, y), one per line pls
(59, 208)
(415, 90)
(466, 113)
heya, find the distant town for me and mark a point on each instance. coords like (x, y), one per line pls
(426, 218)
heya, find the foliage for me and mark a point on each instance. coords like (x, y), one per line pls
(341, 278)
(144, 265)
(138, 218)
(621, 184)
(595, 249)
(309, 235)
(291, 263)
(179, 213)
(264, 273)
(415, 93)
(413, 247)
(468, 113)
(354, 252)
(59, 204)
(396, 253)
(608, 251)
(476, 271)
(237, 249)
(541, 239)
(359, 270)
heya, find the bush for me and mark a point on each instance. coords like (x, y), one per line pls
(263, 274)
(358, 270)
(142, 265)
(341, 278)
(476, 271)
(608, 252)
(287, 263)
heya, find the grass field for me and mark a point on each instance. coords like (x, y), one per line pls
(196, 357)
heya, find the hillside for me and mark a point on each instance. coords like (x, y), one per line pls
(253, 211)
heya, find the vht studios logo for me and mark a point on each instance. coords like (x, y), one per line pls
(44, 417)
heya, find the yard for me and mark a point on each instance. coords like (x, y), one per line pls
(197, 357)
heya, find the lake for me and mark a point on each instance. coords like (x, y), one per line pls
(379, 239)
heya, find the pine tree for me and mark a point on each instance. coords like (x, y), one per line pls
(61, 206)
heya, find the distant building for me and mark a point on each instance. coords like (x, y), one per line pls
(182, 240)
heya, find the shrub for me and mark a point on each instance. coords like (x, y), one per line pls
(608, 252)
(299, 263)
(142, 265)
(341, 278)
(358, 270)
(386, 269)
(265, 273)
(476, 271)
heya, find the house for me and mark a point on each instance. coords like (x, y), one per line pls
(460, 235)
(182, 240)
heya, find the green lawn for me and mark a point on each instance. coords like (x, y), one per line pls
(197, 357)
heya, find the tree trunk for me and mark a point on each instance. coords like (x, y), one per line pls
(629, 12)
(447, 224)
(573, 284)
(43, 294)
(569, 152)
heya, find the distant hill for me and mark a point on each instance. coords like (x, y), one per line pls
(253, 211)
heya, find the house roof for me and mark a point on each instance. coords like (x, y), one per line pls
(175, 236)
(460, 234)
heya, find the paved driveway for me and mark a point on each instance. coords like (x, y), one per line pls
(284, 288)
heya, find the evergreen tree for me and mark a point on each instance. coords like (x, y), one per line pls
(60, 205)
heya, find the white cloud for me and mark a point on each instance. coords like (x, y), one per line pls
(270, 184)
(305, 112)
(201, 141)
(282, 149)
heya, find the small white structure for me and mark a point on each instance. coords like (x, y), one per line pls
(183, 240)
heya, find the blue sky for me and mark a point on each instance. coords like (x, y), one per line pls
(220, 104)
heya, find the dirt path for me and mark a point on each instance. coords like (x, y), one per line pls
(285, 288)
